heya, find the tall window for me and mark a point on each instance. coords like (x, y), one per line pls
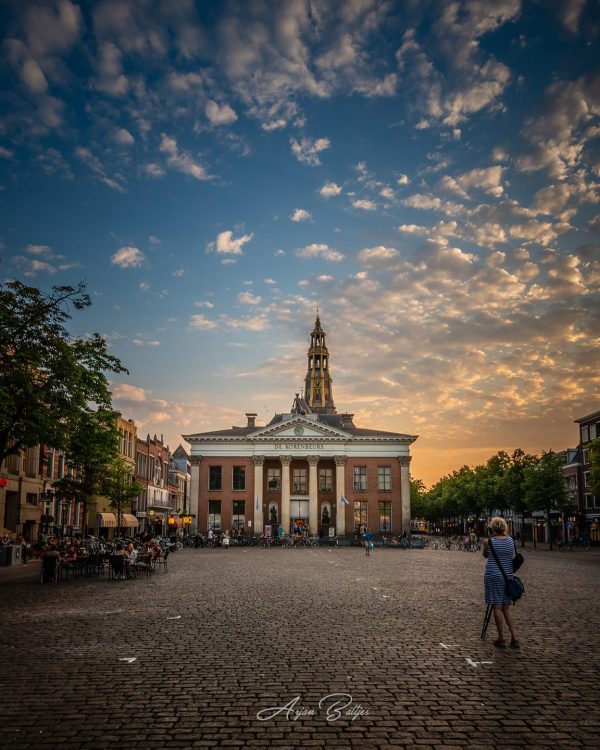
(215, 478)
(239, 477)
(360, 515)
(214, 515)
(273, 479)
(326, 480)
(585, 434)
(299, 484)
(239, 513)
(385, 516)
(51, 463)
(384, 478)
(360, 479)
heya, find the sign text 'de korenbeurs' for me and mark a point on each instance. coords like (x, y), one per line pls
(299, 446)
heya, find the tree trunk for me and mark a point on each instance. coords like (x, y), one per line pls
(548, 530)
(523, 529)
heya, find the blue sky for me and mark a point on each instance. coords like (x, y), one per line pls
(427, 174)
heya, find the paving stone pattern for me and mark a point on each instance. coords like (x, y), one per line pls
(256, 628)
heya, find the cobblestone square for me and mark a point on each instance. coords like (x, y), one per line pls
(190, 658)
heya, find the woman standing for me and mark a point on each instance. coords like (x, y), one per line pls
(495, 594)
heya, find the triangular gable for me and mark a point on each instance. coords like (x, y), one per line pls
(300, 428)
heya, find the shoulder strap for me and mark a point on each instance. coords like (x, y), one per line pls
(491, 546)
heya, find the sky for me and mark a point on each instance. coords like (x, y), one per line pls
(426, 174)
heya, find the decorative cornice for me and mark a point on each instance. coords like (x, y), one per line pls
(340, 460)
(404, 460)
(286, 460)
(195, 460)
(258, 460)
(312, 460)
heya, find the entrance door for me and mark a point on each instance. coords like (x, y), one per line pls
(298, 511)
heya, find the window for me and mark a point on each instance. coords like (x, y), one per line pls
(61, 466)
(50, 471)
(239, 513)
(326, 480)
(239, 477)
(589, 500)
(586, 458)
(215, 478)
(299, 484)
(360, 479)
(585, 434)
(360, 516)
(384, 479)
(299, 510)
(593, 432)
(31, 498)
(214, 515)
(273, 480)
(130, 444)
(385, 516)
(586, 478)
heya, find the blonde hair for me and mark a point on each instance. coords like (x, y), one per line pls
(499, 525)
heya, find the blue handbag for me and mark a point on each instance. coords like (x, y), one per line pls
(513, 587)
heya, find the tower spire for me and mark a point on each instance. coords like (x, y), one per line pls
(318, 392)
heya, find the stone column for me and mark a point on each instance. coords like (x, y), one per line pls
(195, 493)
(258, 495)
(340, 489)
(285, 493)
(313, 496)
(405, 491)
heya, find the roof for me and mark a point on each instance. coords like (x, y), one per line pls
(593, 415)
(341, 422)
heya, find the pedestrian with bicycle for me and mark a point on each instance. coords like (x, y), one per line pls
(499, 550)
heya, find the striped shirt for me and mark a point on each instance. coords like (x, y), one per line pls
(505, 549)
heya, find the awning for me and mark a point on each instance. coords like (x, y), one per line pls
(107, 521)
(129, 521)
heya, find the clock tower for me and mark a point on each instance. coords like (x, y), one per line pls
(317, 391)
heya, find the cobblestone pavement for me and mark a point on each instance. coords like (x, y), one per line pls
(226, 634)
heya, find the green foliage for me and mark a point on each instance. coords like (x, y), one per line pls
(48, 380)
(543, 484)
(594, 456)
(119, 486)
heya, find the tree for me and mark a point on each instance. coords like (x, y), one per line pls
(120, 487)
(92, 448)
(48, 379)
(545, 488)
(594, 477)
(513, 484)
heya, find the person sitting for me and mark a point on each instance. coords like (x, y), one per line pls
(50, 562)
(117, 562)
(131, 555)
(154, 548)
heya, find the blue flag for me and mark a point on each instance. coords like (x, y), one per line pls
(345, 500)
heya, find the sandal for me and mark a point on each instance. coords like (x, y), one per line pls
(500, 643)
(515, 644)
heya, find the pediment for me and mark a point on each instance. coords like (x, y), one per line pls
(299, 428)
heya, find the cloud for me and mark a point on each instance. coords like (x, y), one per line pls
(115, 181)
(204, 303)
(248, 322)
(181, 161)
(40, 250)
(145, 342)
(128, 257)
(374, 255)
(33, 267)
(200, 322)
(402, 179)
(320, 251)
(219, 115)
(123, 137)
(227, 244)
(300, 215)
(247, 298)
(269, 280)
(488, 179)
(364, 205)
(330, 189)
(126, 392)
(110, 78)
(307, 150)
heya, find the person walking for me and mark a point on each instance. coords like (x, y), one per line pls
(368, 538)
(495, 586)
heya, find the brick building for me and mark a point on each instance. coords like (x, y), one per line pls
(589, 429)
(152, 471)
(311, 464)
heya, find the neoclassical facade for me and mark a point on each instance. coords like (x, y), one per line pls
(310, 465)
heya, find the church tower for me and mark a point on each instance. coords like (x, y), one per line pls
(318, 393)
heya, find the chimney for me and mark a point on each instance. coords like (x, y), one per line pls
(347, 420)
(251, 420)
